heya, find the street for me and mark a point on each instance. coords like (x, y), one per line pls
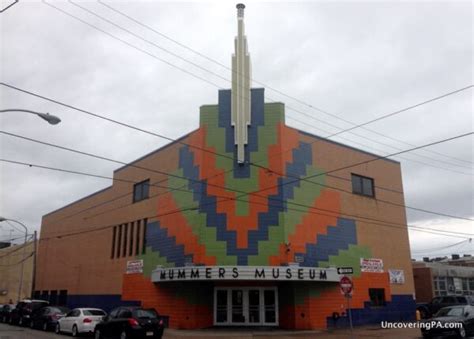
(15, 332)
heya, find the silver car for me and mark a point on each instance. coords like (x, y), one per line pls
(80, 320)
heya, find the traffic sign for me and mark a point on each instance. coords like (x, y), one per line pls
(346, 285)
(345, 270)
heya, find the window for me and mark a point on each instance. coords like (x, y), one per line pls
(137, 244)
(141, 190)
(114, 235)
(124, 313)
(114, 313)
(377, 296)
(62, 300)
(119, 241)
(125, 234)
(45, 295)
(363, 185)
(53, 297)
(130, 246)
(145, 222)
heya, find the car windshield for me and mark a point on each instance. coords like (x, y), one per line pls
(450, 311)
(93, 312)
(146, 314)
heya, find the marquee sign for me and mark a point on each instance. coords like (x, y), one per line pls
(265, 273)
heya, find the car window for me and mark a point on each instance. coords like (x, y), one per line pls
(448, 300)
(461, 300)
(114, 313)
(450, 311)
(150, 314)
(436, 300)
(93, 312)
(76, 313)
(125, 313)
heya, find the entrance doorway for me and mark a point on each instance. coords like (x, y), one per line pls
(246, 306)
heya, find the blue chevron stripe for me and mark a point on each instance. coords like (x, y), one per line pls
(337, 238)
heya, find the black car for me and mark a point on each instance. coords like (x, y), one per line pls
(21, 315)
(450, 321)
(47, 317)
(5, 312)
(130, 322)
(428, 309)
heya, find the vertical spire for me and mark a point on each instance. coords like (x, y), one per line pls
(240, 111)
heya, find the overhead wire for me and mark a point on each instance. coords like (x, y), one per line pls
(215, 74)
(209, 184)
(258, 82)
(339, 213)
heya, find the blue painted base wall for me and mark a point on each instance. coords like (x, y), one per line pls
(401, 308)
(105, 302)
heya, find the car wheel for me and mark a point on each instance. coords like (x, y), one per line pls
(75, 333)
(57, 329)
(20, 322)
(97, 334)
(32, 325)
(462, 332)
(123, 335)
(45, 326)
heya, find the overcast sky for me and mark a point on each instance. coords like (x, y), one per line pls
(357, 60)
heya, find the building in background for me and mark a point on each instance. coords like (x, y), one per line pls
(440, 278)
(242, 222)
(11, 259)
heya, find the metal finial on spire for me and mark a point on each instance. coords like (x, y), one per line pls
(240, 10)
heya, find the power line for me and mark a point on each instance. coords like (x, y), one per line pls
(393, 147)
(202, 68)
(200, 148)
(194, 208)
(21, 261)
(441, 248)
(369, 161)
(209, 184)
(258, 82)
(402, 110)
(337, 213)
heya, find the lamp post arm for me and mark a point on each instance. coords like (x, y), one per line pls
(51, 119)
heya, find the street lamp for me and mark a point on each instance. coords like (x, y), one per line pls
(24, 248)
(51, 119)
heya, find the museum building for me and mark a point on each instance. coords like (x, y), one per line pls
(242, 222)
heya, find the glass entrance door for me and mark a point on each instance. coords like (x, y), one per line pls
(246, 306)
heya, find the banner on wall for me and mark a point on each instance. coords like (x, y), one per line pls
(397, 276)
(371, 265)
(134, 266)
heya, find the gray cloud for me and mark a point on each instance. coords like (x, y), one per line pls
(355, 59)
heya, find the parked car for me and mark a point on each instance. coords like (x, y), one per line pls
(447, 317)
(80, 320)
(24, 309)
(427, 310)
(130, 322)
(47, 317)
(5, 312)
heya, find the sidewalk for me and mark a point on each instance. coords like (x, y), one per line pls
(226, 333)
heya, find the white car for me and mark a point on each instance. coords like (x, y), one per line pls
(80, 320)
